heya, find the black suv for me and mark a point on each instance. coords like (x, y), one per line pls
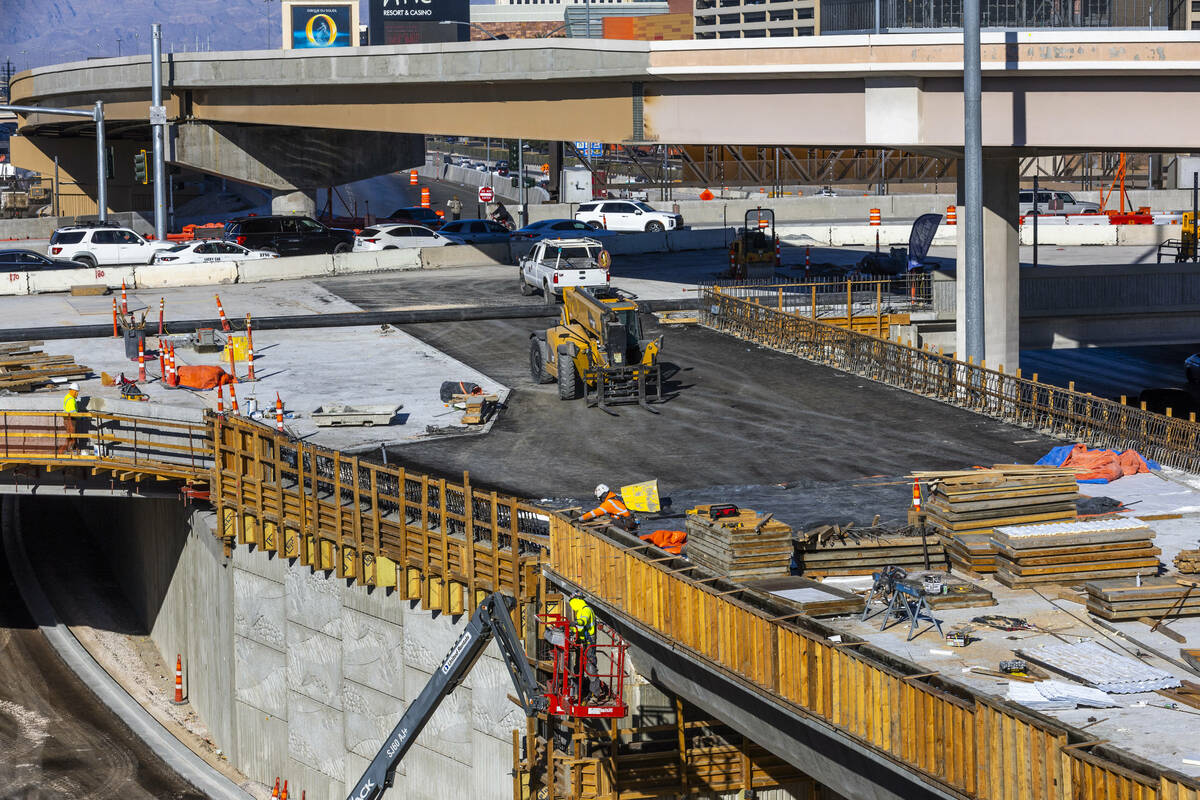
(415, 214)
(288, 235)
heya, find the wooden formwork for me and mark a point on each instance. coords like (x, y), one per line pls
(972, 744)
(446, 544)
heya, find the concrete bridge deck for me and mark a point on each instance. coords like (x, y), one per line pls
(441, 544)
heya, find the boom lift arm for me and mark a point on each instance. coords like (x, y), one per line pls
(490, 621)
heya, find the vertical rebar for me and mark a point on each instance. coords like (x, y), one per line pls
(972, 274)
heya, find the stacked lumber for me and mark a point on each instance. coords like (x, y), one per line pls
(823, 553)
(741, 546)
(23, 369)
(1188, 562)
(965, 506)
(1156, 598)
(1070, 552)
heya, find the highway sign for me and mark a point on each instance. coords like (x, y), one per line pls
(590, 149)
(486, 194)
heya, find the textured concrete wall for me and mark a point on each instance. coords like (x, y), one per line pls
(298, 675)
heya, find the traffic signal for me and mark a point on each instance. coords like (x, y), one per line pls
(514, 153)
(141, 173)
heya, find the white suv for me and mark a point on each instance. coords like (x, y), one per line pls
(95, 246)
(627, 215)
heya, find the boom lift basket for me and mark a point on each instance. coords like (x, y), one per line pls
(567, 687)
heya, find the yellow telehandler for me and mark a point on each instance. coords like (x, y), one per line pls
(597, 351)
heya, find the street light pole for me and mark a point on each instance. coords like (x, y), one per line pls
(972, 273)
(97, 116)
(158, 126)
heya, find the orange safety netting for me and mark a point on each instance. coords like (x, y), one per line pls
(203, 377)
(1090, 465)
(671, 541)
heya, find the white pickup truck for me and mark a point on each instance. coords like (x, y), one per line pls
(555, 263)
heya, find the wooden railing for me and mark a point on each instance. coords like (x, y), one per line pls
(967, 742)
(1076, 416)
(444, 543)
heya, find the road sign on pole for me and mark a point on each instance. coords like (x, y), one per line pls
(486, 194)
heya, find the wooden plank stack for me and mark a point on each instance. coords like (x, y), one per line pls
(1188, 562)
(23, 369)
(1123, 598)
(741, 546)
(1071, 552)
(965, 506)
(823, 553)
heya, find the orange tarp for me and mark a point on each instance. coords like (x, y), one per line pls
(1104, 464)
(203, 377)
(671, 541)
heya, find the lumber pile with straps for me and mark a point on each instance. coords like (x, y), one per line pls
(836, 550)
(738, 543)
(965, 506)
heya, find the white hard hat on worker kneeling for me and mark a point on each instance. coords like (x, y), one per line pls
(601, 490)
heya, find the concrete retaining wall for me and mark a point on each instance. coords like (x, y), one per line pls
(298, 675)
(42, 227)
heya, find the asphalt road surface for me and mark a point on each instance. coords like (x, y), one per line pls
(737, 415)
(56, 739)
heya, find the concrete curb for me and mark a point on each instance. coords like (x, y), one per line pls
(174, 754)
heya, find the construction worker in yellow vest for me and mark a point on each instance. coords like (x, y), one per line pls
(583, 630)
(70, 406)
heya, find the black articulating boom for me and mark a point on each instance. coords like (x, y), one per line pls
(490, 621)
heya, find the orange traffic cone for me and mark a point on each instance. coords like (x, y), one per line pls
(275, 791)
(115, 334)
(162, 302)
(141, 359)
(917, 495)
(221, 311)
(278, 413)
(232, 361)
(178, 681)
(283, 796)
(220, 399)
(233, 403)
(124, 300)
(249, 350)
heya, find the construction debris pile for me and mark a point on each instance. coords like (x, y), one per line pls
(1069, 552)
(24, 369)
(738, 543)
(965, 506)
(834, 550)
(1188, 562)
(1152, 598)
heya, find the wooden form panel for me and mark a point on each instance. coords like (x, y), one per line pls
(974, 745)
(445, 544)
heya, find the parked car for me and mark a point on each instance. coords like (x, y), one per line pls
(1055, 202)
(544, 228)
(627, 215)
(207, 251)
(501, 168)
(102, 245)
(553, 264)
(475, 231)
(29, 261)
(418, 215)
(395, 237)
(288, 235)
(1191, 367)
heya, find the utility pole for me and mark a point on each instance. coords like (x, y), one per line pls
(158, 128)
(972, 272)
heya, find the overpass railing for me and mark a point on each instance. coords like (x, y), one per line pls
(130, 447)
(972, 744)
(1009, 397)
(439, 541)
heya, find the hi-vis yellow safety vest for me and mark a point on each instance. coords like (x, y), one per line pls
(583, 623)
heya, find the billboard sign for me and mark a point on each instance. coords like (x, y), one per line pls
(417, 21)
(317, 26)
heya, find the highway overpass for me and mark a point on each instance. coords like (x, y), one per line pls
(292, 121)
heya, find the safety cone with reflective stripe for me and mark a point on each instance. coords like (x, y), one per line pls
(233, 403)
(115, 334)
(221, 312)
(917, 495)
(249, 350)
(424, 197)
(283, 795)
(178, 681)
(875, 217)
(141, 359)
(124, 300)
(951, 215)
(412, 177)
(220, 398)
(162, 304)
(278, 413)
(172, 375)
(232, 361)
(275, 791)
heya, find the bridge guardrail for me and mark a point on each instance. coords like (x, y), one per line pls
(1008, 397)
(976, 745)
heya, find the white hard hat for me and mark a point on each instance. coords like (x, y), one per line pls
(74, 386)
(601, 490)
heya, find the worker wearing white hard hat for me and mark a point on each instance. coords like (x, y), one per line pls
(70, 406)
(611, 506)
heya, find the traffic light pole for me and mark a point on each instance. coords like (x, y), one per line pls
(158, 125)
(97, 116)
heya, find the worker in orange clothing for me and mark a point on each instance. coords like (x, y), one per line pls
(611, 506)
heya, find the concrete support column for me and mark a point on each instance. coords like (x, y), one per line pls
(1001, 265)
(293, 202)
